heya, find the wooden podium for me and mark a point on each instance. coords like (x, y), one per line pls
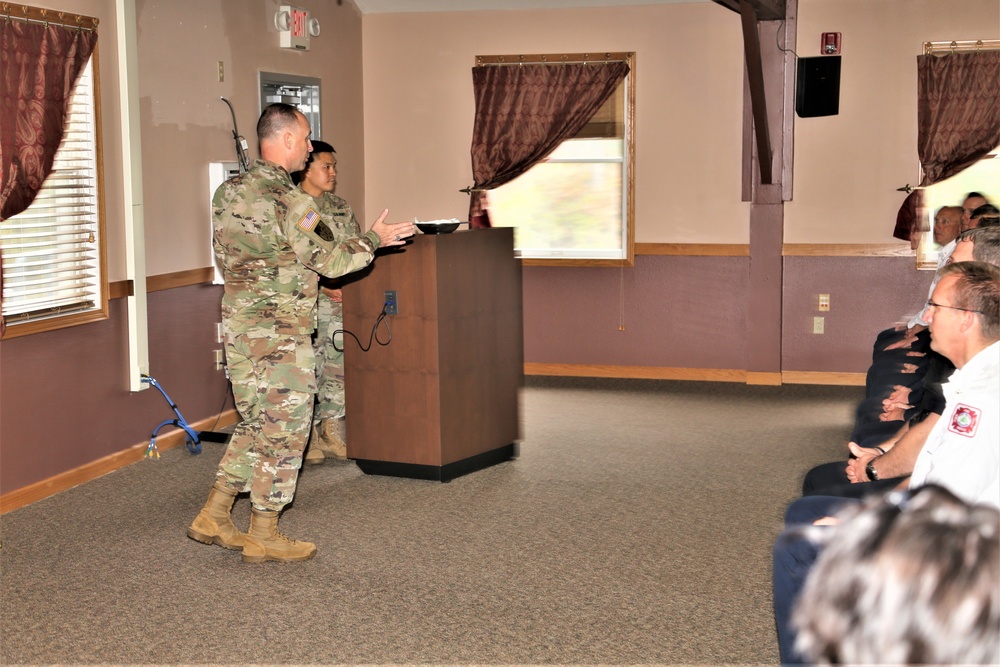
(441, 399)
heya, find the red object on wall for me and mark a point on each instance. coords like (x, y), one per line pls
(830, 44)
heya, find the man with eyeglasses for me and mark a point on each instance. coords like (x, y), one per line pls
(907, 392)
(962, 451)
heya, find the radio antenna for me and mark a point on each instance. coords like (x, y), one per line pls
(241, 143)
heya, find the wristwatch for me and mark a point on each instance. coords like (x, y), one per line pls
(870, 470)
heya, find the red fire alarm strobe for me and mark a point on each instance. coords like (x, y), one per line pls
(830, 46)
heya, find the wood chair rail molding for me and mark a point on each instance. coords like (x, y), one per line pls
(122, 288)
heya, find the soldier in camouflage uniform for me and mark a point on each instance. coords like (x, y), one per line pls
(273, 245)
(318, 179)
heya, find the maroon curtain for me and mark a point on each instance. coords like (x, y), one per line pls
(958, 111)
(908, 218)
(39, 65)
(523, 112)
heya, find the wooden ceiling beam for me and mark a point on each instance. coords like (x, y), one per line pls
(766, 10)
(758, 99)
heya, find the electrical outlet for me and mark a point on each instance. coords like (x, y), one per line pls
(824, 303)
(222, 72)
(220, 360)
(218, 332)
(391, 305)
(819, 324)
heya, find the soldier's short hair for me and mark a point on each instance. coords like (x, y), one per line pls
(276, 118)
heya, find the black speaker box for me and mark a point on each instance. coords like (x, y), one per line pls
(817, 87)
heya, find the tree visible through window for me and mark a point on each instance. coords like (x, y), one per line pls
(576, 205)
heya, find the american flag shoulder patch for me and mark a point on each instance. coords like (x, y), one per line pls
(309, 220)
(965, 420)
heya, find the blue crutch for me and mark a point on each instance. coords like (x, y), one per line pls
(192, 439)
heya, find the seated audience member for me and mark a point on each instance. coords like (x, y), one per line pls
(901, 359)
(986, 215)
(853, 478)
(909, 578)
(904, 336)
(972, 201)
(947, 224)
(962, 451)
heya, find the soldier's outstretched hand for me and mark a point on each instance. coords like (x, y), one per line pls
(392, 234)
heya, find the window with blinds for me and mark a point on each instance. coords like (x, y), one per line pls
(576, 205)
(53, 252)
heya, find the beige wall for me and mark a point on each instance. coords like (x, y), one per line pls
(419, 109)
(689, 86)
(847, 167)
(402, 122)
(185, 125)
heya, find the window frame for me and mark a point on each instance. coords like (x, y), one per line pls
(628, 161)
(950, 192)
(15, 328)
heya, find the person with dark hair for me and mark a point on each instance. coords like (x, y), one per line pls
(272, 245)
(972, 201)
(912, 577)
(986, 215)
(319, 179)
(962, 451)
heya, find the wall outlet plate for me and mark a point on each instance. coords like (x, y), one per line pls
(391, 304)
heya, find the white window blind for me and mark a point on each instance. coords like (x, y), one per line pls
(52, 250)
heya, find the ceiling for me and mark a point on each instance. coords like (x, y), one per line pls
(407, 6)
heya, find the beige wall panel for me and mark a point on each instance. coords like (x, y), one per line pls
(847, 167)
(419, 108)
(185, 125)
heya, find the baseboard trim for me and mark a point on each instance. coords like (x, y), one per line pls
(67, 480)
(636, 372)
(815, 377)
(764, 378)
(695, 374)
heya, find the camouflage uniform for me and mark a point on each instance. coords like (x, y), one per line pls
(273, 245)
(337, 213)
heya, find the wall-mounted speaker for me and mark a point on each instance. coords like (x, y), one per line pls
(817, 87)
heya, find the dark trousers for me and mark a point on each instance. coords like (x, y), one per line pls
(830, 479)
(794, 557)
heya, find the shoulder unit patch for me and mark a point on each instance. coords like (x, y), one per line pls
(324, 232)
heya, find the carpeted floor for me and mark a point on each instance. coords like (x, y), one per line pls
(634, 528)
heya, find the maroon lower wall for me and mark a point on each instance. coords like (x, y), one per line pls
(64, 398)
(867, 295)
(691, 312)
(64, 395)
(686, 312)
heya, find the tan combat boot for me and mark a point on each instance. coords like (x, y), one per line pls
(264, 542)
(314, 455)
(214, 524)
(326, 435)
